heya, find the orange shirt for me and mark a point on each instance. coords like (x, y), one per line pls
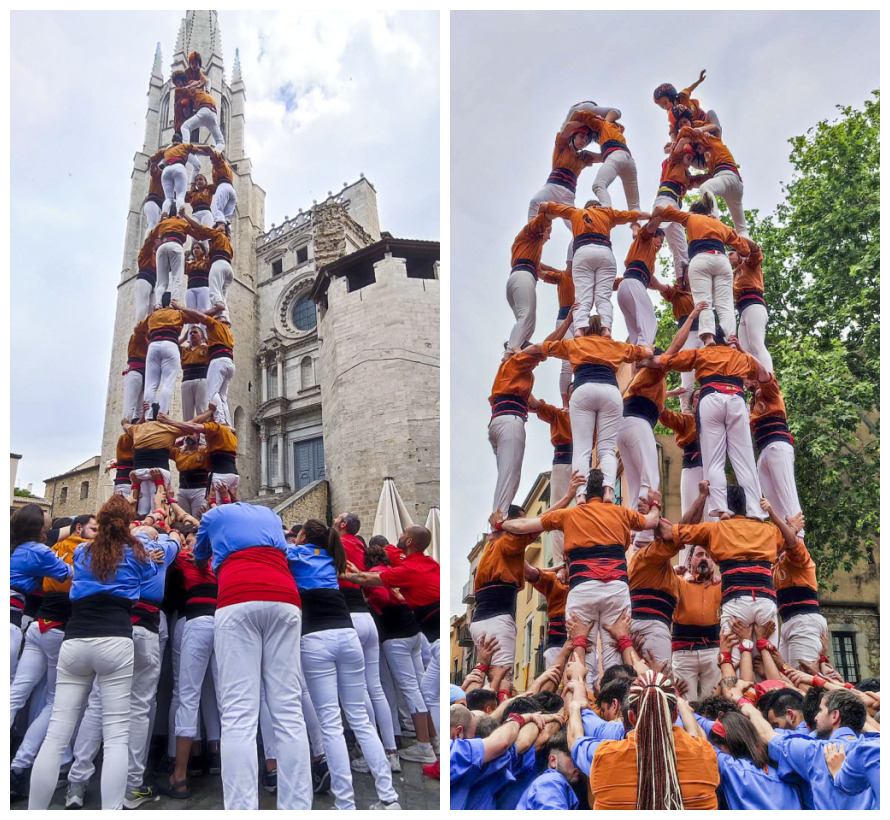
(154, 435)
(174, 227)
(717, 360)
(65, 551)
(220, 246)
(748, 275)
(202, 99)
(648, 383)
(733, 539)
(222, 171)
(565, 285)
(137, 347)
(515, 377)
(164, 324)
(568, 158)
(718, 153)
(594, 524)
(683, 425)
(196, 355)
(191, 460)
(681, 301)
(697, 604)
(559, 421)
(555, 591)
(178, 153)
(795, 568)
(124, 450)
(220, 438)
(200, 200)
(529, 242)
(613, 775)
(699, 117)
(603, 131)
(642, 249)
(594, 350)
(673, 170)
(767, 401)
(700, 226)
(650, 568)
(197, 272)
(503, 560)
(591, 220)
(218, 334)
(146, 258)
(155, 188)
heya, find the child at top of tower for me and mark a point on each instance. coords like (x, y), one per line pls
(666, 97)
(194, 73)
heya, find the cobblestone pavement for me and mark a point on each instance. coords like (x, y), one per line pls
(415, 792)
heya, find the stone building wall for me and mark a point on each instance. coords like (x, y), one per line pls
(73, 504)
(380, 391)
(311, 503)
(865, 623)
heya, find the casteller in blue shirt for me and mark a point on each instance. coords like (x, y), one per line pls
(549, 791)
(466, 757)
(229, 528)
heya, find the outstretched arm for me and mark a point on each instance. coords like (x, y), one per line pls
(523, 526)
(789, 534)
(682, 334)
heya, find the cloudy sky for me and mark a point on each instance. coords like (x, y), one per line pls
(770, 76)
(329, 96)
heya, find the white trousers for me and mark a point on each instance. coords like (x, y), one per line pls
(430, 685)
(507, 437)
(259, 641)
(638, 312)
(220, 276)
(674, 235)
(760, 611)
(191, 500)
(595, 406)
(690, 478)
(162, 369)
(725, 429)
(198, 299)
(174, 179)
(15, 644)
(219, 374)
(194, 398)
(152, 212)
(698, 668)
(728, 185)
(752, 334)
(522, 298)
(40, 658)
(618, 164)
(144, 293)
(775, 468)
(656, 638)
(639, 455)
(207, 118)
(109, 661)
(375, 701)
(134, 381)
(229, 480)
(687, 379)
(593, 272)
(710, 281)
(551, 655)
(143, 478)
(801, 638)
(601, 604)
(222, 206)
(196, 655)
(560, 476)
(333, 664)
(405, 664)
(170, 263)
(502, 627)
(550, 192)
(565, 371)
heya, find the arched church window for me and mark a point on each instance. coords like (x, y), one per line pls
(224, 118)
(306, 378)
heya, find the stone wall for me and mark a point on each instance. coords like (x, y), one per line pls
(75, 505)
(310, 502)
(865, 623)
(379, 376)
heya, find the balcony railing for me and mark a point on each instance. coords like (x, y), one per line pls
(463, 637)
(468, 593)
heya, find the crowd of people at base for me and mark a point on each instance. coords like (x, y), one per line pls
(742, 559)
(292, 636)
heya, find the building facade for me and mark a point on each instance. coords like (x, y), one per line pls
(76, 492)
(316, 358)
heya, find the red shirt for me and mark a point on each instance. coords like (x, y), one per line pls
(396, 556)
(355, 553)
(256, 574)
(417, 579)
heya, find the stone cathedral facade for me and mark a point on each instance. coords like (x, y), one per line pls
(336, 327)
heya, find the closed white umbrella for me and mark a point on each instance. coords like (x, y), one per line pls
(432, 524)
(392, 514)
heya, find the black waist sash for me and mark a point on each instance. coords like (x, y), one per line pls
(746, 579)
(697, 246)
(562, 453)
(526, 265)
(223, 461)
(748, 297)
(190, 372)
(56, 606)
(149, 275)
(769, 429)
(797, 601)
(397, 621)
(590, 239)
(601, 373)
(700, 637)
(100, 616)
(669, 188)
(563, 311)
(149, 459)
(564, 178)
(355, 601)
(708, 385)
(601, 562)
(556, 631)
(648, 604)
(324, 609)
(193, 479)
(124, 465)
(428, 618)
(609, 146)
(642, 408)
(493, 599)
(509, 405)
(147, 614)
(638, 270)
(692, 454)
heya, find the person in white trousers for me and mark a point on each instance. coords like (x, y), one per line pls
(595, 405)
(134, 375)
(333, 663)
(154, 200)
(667, 97)
(162, 361)
(561, 469)
(98, 645)
(747, 288)
(193, 464)
(633, 295)
(197, 294)
(681, 302)
(256, 639)
(147, 275)
(221, 274)
(593, 264)
(676, 179)
(525, 256)
(509, 411)
(152, 443)
(225, 198)
(565, 289)
(194, 358)
(221, 366)
(179, 164)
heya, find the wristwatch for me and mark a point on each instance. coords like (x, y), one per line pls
(746, 645)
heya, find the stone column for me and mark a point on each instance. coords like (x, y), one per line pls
(281, 479)
(264, 459)
(264, 383)
(279, 363)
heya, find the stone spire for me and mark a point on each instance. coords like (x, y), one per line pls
(199, 32)
(236, 68)
(156, 70)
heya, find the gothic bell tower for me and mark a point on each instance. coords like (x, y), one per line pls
(199, 31)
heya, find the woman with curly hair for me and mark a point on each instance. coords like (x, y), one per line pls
(98, 645)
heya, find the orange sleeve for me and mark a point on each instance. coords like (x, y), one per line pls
(551, 277)
(683, 361)
(553, 520)
(671, 214)
(622, 217)
(698, 534)
(633, 353)
(798, 555)
(546, 412)
(559, 348)
(635, 520)
(672, 419)
(555, 209)
(545, 582)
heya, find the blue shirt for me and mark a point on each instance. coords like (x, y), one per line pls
(549, 791)
(599, 729)
(524, 770)
(153, 588)
(125, 583)
(495, 776)
(233, 527)
(861, 769)
(801, 760)
(30, 563)
(311, 567)
(465, 766)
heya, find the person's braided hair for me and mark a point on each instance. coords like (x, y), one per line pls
(653, 700)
